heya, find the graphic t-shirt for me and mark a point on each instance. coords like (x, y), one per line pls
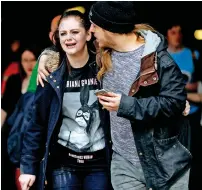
(81, 130)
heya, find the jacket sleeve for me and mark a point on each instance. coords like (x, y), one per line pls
(35, 134)
(170, 101)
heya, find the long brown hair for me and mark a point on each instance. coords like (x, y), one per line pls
(104, 56)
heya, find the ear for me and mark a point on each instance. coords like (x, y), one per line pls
(89, 35)
(51, 36)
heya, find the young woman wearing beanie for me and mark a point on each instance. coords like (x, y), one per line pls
(145, 100)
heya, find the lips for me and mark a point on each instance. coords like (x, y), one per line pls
(70, 45)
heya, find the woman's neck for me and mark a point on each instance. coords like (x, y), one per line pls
(25, 84)
(126, 43)
(80, 59)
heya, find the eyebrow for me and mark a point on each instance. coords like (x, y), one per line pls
(70, 30)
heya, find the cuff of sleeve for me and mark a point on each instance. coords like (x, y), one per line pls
(126, 106)
(27, 167)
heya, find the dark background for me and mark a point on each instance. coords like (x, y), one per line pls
(30, 21)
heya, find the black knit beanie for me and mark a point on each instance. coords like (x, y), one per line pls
(114, 16)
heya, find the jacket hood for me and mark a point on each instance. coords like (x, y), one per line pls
(154, 41)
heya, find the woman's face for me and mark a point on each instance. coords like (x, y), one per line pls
(73, 35)
(28, 61)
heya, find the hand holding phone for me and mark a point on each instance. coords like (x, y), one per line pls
(102, 92)
(108, 100)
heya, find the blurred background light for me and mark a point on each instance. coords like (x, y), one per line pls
(198, 34)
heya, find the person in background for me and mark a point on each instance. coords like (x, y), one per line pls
(16, 86)
(33, 81)
(14, 61)
(53, 27)
(184, 59)
(188, 63)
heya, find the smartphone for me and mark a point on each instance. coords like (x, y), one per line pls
(101, 92)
